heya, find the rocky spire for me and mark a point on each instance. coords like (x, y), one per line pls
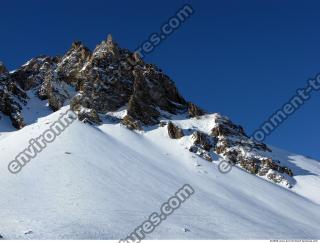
(107, 49)
(72, 62)
(109, 39)
(110, 78)
(76, 44)
(106, 78)
(3, 69)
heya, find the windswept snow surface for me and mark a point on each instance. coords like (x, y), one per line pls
(102, 182)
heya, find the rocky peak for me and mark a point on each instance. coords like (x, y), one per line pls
(110, 40)
(109, 78)
(106, 79)
(194, 110)
(79, 50)
(107, 49)
(76, 45)
(33, 73)
(3, 69)
(12, 97)
(72, 63)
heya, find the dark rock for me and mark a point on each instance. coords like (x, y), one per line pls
(3, 69)
(140, 105)
(174, 131)
(12, 98)
(232, 155)
(269, 163)
(262, 146)
(194, 110)
(131, 123)
(250, 164)
(152, 92)
(288, 171)
(88, 115)
(222, 146)
(201, 153)
(110, 77)
(203, 140)
(34, 72)
(224, 127)
(162, 124)
(193, 149)
(72, 62)
(275, 177)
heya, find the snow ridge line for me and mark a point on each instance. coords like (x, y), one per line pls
(37, 145)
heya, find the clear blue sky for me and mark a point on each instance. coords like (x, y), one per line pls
(243, 58)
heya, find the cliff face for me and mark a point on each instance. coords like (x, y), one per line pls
(101, 81)
(12, 98)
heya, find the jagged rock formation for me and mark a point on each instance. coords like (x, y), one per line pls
(12, 97)
(202, 145)
(109, 78)
(131, 123)
(113, 77)
(101, 81)
(232, 143)
(194, 110)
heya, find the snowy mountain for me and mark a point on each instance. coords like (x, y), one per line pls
(132, 143)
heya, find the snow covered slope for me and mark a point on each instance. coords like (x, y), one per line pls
(102, 182)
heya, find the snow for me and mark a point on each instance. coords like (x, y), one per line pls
(35, 108)
(308, 173)
(102, 182)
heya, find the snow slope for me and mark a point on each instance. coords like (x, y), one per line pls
(111, 179)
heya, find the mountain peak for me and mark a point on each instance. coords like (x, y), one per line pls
(109, 39)
(3, 69)
(105, 81)
(107, 49)
(76, 44)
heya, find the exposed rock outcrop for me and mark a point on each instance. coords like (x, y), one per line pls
(203, 145)
(203, 140)
(131, 123)
(140, 105)
(69, 69)
(174, 131)
(12, 97)
(194, 110)
(109, 78)
(33, 73)
(232, 143)
(3, 69)
(201, 153)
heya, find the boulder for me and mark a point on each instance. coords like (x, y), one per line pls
(131, 123)
(174, 131)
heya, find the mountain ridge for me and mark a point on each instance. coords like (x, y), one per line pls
(110, 78)
(135, 140)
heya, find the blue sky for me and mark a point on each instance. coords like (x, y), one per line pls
(244, 59)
